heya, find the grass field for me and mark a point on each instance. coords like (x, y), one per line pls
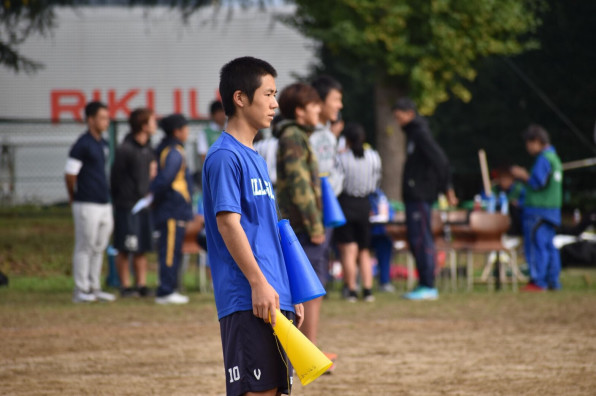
(478, 343)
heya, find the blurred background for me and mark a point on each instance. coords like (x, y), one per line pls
(481, 71)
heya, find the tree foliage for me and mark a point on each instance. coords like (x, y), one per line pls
(504, 104)
(428, 49)
(18, 21)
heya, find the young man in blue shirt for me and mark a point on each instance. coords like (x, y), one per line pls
(249, 274)
(542, 210)
(89, 197)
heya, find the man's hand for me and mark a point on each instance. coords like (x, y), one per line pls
(265, 301)
(152, 170)
(451, 198)
(520, 173)
(299, 308)
(317, 239)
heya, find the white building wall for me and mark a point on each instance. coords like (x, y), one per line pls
(130, 57)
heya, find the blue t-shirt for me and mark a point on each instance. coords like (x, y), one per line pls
(92, 181)
(235, 179)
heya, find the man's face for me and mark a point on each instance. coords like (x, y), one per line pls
(261, 111)
(331, 106)
(182, 133)
(505, 181)
(309, 115)
(403, 117)
(219, 117)
(151, 126)
(534, 147)
(100, 121)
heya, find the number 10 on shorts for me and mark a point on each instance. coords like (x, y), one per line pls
(234, 374)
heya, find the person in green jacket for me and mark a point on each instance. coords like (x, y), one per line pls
(542, 210)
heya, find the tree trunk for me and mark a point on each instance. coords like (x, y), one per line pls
(391, 141)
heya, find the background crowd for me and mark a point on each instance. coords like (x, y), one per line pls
(308, 142)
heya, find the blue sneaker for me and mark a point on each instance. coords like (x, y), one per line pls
(422, 293)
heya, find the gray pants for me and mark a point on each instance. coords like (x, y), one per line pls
(93, 227)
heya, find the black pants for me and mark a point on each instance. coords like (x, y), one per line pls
(420, 238)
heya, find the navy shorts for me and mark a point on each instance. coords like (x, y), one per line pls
(254, 361)
(132, 233)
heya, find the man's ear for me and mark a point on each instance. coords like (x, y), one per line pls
(299, 113)
(239, 98)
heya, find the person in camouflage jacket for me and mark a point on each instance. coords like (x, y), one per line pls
(299, 186)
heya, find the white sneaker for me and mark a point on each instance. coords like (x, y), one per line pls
(174, 298)
(103, 296)
(80, 297)
(370, 298)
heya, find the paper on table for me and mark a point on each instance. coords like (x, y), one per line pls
(379, 218)
(142, 204)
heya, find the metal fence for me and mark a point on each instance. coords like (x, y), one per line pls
(33, 154)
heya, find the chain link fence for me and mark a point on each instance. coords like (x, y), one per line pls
(33, 154)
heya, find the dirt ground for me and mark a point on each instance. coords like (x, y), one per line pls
(463, 344)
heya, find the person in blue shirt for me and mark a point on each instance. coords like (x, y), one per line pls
(89, 197)
(248, 270)
(381, 242)
(171, 190)
(542, 210)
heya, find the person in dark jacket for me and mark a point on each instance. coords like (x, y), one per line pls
(134, 167)
(172, 205)
(426, 174)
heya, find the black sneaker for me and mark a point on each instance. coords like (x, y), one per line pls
(126, 292)
(352, 296)
(367, 295)
(144, 291)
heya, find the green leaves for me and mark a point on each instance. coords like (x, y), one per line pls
(432, 48)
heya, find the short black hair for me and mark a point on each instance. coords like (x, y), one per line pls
(536, 132)
(173, 122)
(242, 74)
(324, 84)
(93, 107)
(405, 104)
(215, 106)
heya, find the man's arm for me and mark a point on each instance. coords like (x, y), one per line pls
(539, 176)
(265, 299)
(438, 159)
(168, 173)
(71, 181)
(72, 168)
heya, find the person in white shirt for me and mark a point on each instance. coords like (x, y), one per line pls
(362, 169)
(323, 141)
